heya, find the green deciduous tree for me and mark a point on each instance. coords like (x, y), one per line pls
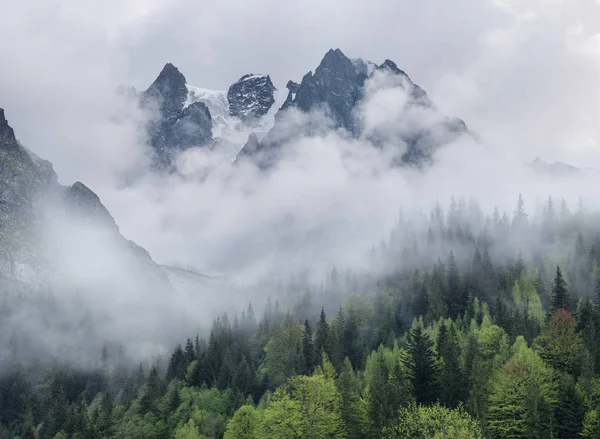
(305, 407)
(244, 424)
(434, 422)
(523, 397)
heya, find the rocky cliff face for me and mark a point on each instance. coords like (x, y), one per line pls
(338, 87)
(174, 127)
(251, 96)
(33, 206)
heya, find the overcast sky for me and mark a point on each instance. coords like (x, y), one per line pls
(523, 74)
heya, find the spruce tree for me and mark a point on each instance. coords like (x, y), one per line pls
(455, 299)
(570, 410)
(353, 409)
(190, 354)
(177, 364)
(308, 350)
(380, 409)
(452, 382)
(421, 366)
(560, 296)
(323, 342)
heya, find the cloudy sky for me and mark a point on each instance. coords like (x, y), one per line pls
(523, 74)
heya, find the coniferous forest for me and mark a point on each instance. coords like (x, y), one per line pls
(466, 325)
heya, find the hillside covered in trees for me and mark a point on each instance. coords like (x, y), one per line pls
(464, 326)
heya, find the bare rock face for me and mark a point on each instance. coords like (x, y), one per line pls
(337, 87)
(251, 96)
(175, 127)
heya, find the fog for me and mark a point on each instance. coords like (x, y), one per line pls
(524, 76)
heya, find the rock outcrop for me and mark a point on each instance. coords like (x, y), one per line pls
(251, 96)
(174, 127)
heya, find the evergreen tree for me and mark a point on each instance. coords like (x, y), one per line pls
(380, 409)
(190, 354)
(177, 364)
(452, 382)
(569, 411)
(421, 366)
(455, 301)
(560, 296)
(353, 407)
(323, 338)
(308, 350)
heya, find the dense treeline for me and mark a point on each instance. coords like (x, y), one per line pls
(480, 328)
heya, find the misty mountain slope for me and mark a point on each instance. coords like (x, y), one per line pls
(60, 243)
(344, 90)
(184, 116)
(32, 203)
(555, 169)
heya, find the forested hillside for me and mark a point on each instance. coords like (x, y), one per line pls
(475, 326)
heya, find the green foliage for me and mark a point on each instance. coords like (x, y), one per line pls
(433, 422)
(560, 343)
(304, 407)
(283, 352)
(188, 431)
(523, 397)
(353, 408)
(244, 424)
(570, 410)
(421, 365)
(560, 296)
(452, 378)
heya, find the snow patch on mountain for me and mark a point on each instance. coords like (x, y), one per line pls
(230, 132)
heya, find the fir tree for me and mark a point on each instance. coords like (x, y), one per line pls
(560, 296)
(452, 384)
(323, 342)
(421, 366)
(308, 350)
(353, 408)
(569, 411)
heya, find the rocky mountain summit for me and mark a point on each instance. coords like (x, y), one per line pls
(175, 126)
(338, 87)
(185, 116)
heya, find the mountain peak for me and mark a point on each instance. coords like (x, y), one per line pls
(334, 58)
(84, 202)
(172, 72)
(391, 66)
(7, 135)
(168, 90)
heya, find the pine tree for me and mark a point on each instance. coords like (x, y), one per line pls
(190, 354)
(243, 378)
(520, 216)
(560, 296)
(569, 411)
(323, 342)
(452, 382)
(308, 350)
(421, 305)
(437, 299)
(177, 364)
(455, 299)
(380, 409)
(353, 408)
(421, 366)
